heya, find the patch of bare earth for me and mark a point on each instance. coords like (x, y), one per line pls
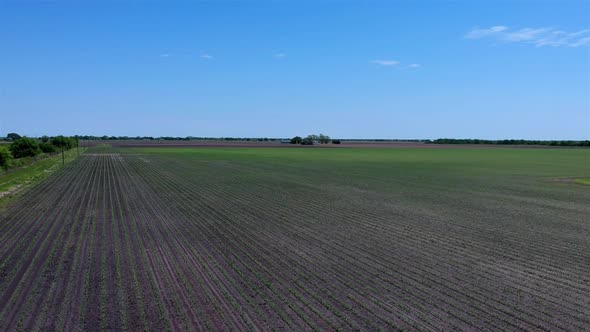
(11, 191)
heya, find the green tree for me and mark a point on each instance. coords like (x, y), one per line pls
(324, 139)
(309, 140)
(47, 147)
(62, 143)
(75, 143)
(24, 147)
(5, 158)
(13, 136)
(59, 141)
(296, 140)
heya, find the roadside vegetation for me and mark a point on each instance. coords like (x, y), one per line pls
(17, 150)
(24, 161)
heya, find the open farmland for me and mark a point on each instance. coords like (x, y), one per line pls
(302, 239)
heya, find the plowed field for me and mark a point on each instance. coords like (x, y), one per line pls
(301, 239)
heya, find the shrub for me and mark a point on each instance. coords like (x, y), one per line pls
(324, 139)
(24, 147)
(47, 147)
(307, 141)
(5, 158)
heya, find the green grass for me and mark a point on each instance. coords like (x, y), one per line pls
(22, 177)
(585, 181)
(429, 174)
(436, 164)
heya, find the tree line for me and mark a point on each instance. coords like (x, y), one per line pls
(26, 147)
(509, 142)
(173, 138)
(313, 139)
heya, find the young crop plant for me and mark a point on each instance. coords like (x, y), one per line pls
(221, 232)
(76, 270)
(163, 238)
(63, 267)
(89, 276)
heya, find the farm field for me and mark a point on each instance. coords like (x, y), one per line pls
(16, 180)
(301, 239)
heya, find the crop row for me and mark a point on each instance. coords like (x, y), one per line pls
(460, 284)
(127, 241)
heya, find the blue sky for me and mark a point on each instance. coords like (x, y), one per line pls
(349, 69)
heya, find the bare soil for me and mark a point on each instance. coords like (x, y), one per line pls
(112, 242)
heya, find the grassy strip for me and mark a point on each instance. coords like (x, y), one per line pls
(12, 182)
(585, 181)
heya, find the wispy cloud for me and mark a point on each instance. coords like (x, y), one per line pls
(385, 62)
(206, 56)
(280, 55)
(535, 36)
(480, 33)
(414, 65)
(165, 55)
(525, 35)
(582, 41)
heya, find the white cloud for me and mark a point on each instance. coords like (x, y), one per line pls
(206, 56)
(480, 33)
(280, 55)
(526, 34)
(581, 42)
(414, 65)
(165, 55)
(385, 62)
(535, 36)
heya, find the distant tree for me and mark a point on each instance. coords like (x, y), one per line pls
(308, 140)
(60, 141)
(44, 139)
(335, 141)
(324, 139)
(47, 147)
(24, 147)
(75, 143)
(13, 136)
(296, 140)
(507, 142)
(63, 143)
(5, 158)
